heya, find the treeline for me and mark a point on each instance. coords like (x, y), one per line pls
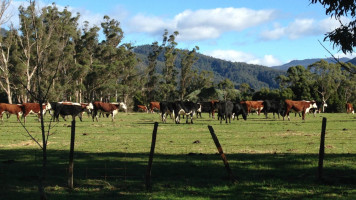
(320, 81)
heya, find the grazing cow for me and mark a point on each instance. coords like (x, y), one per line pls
(253, 106)
(142, 108)
(199, 110)
(349, 108)
(167, 108)
(154, 105)
(274, 107)
(298, 106)
(104, 108)
(239, 109)
(187, 108)
(225, 110)
(121, 105)
(321, 105)
(74, 109)
(34, 108)
(11, 109)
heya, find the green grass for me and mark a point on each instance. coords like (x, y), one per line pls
(271, 159)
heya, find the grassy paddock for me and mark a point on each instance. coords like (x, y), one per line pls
(272, 159)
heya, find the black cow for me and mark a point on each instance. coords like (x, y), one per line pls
(167, 108)
(225, 110)
(239, 109)
(273, 106)
(64, 109)
(187, 108)
(207, 107)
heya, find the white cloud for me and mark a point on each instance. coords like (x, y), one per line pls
(302, 28)
(202, 24)
(238, 56)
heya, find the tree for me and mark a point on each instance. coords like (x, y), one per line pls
(187, 61)
(344, 36)
(229, 89)
(299, 80)
(169, 72)
(152, 78)
(6, 46)
(327, 77)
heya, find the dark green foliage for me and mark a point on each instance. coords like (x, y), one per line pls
(343, 37)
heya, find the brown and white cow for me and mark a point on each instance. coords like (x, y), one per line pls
(34, 108)
(142, 108)
(349, 108)
(154, 105)
(105, 108)
(11, 109)
(298, 106)
(253, 106)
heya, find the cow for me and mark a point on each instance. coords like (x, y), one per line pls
(34, 108)
(253, 106)
(273, 106)
(349, 108)
(121, 105)
(142, 108)
(321, 105)
(225, 110)
(199, 110)
(11, 109)
(298, 106)
(239, 109)
(167, 108)
(187, 108)
(105, 108)
(154, 105)
(74, 109)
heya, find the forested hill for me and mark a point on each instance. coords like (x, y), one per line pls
(256, 76)
(307, 62)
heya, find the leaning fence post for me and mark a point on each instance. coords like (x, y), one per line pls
(322, 150)
(71, 156)
(150, 160)
(218, 146)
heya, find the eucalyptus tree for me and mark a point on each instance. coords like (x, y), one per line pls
(299, 80)
(128, 79)
(187, 61)
(169, 71)
(327, 78)
(228, 88)
(152, 75)
(86, 51)
(7, 43)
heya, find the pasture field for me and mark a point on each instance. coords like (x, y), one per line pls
(270, 158)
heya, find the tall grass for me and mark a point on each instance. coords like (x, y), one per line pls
(271, 158)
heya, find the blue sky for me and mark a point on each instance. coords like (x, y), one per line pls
(265, 32)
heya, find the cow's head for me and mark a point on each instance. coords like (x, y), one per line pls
(89, 106)
(123, 106)
(48, 106)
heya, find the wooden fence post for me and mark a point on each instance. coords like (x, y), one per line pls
(218, 146)
(322, 150)
(150, 160)
(71, 156)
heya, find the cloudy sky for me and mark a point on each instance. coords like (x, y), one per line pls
(265, 32)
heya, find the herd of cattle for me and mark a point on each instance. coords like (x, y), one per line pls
(226, 110)
(62, 109)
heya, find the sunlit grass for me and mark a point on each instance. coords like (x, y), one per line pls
(271, 158)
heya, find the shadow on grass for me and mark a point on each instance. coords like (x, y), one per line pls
(120, 175)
